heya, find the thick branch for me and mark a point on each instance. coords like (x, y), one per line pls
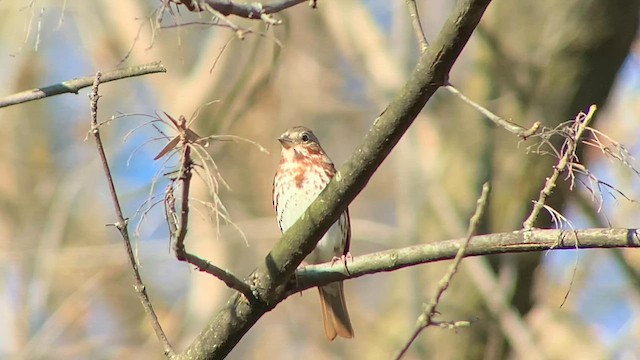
(502, 243)
(431, 72)
(75, 85)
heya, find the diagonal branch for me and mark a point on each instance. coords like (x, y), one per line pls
(426, 318)
(512, 127)
(429, 74)
(228, 326)
(122, 223)
(75, 85)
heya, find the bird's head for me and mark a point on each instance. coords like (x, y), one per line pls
(300, 140)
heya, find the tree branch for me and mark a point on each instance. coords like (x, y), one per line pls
(73, 86)
(179, 224)
(235, 318)
(122, 223)
(249, 10)
(568, 155)
(417, 25)
(511, 242)
(221, 274)
(512, 127)
(426, 318)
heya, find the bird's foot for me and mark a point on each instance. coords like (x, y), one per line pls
(343, 258)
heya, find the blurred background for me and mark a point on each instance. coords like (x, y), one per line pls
(65, 284)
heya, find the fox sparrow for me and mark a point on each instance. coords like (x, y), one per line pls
(304, 171)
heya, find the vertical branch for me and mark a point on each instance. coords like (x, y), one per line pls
(121, 223)
(426, 319)
(569, 148)
(184, 177)
(179, 225)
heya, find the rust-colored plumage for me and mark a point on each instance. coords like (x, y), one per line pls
(304, 171)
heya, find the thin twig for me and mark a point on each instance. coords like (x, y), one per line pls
(514, 128)
(178, 224)
(240, 32)
(227, 277)
(426, 319)
(122, 223)
(579, 125)
(75, 85)
(417, 26)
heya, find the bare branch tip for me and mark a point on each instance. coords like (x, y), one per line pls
(270, 19)
(524, 135)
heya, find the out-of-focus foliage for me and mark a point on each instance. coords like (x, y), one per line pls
(65, 283)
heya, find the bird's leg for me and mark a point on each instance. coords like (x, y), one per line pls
(343, 258)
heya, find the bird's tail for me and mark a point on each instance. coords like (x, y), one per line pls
(334, 311)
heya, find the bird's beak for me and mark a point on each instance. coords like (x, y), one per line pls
(285, 141)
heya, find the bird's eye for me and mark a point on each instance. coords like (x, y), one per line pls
(305, 137)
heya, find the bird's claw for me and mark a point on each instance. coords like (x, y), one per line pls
(343, 258)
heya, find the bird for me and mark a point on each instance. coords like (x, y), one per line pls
(303, 172)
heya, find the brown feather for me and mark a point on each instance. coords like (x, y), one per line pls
(334, 312)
